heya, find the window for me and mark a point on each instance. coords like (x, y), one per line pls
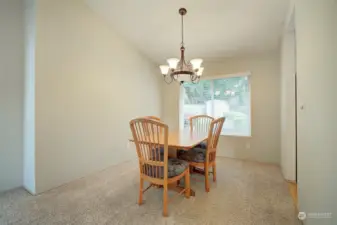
(228, 97)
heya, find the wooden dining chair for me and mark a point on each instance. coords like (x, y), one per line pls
(200, 123)
(154, 167)
(205, 158)
(160, 129)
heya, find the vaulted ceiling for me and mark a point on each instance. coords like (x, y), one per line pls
(214, 29)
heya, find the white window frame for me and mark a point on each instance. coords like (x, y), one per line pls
(241, 74)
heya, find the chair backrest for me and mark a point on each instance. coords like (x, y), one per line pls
(152, 118)
(200, 122)
(149, 140)
(213, 138)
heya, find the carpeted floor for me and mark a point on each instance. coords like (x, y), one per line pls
(245, 193)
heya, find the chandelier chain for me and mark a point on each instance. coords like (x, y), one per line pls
(182, 30)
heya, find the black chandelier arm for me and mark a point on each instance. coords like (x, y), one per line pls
(166, 80)
(195, 79)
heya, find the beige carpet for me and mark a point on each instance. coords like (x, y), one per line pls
(245, 193)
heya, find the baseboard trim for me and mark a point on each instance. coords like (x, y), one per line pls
(292, 186)
(249, 160)
(30, 192)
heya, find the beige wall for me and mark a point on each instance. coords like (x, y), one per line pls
(89, 84)
(316, 62)
(288, 122)
(264, 144)
(11, 93)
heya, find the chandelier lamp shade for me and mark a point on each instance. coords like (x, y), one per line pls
(178, 69)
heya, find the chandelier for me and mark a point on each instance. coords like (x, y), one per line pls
(178, 69)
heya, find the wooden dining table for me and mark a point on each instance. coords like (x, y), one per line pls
(184, 139)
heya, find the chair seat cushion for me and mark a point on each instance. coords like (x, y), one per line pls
(194, 155)
(175, 168)
(202, 145)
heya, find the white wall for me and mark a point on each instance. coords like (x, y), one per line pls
(288, 122)
(89, 84)
(316, 50)
(11, 93)
(265, 97)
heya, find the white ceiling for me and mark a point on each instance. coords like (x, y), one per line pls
(213, 28)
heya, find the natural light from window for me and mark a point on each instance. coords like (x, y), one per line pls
(228, 97)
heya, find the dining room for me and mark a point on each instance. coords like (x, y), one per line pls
(187, 139)
(165, 112)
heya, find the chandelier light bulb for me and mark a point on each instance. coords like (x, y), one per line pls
(196, 63)
(164, 69)
(173, 62)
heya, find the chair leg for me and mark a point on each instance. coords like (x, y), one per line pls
(187, 184)
(140, 199)
(206, 179)
(214, 172)
(165, 201)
